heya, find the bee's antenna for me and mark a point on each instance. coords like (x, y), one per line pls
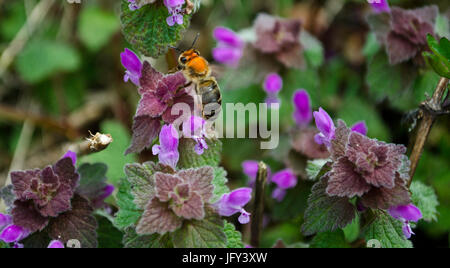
(195, 40)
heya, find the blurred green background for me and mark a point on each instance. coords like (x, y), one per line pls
(61, 77)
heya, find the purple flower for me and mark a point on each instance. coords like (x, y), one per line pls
(227, 37)
(360, 127)
(406, 214)
(194, 128)
(302, 104)
(379, 6)
(284, 179)
(5, 220)
(326, 127)
(167, 151)
(230, 47)
(272, 85)
(234, 202)
(13, 233)
(133, 64)
(137, 4)
(18, 245)
(71, 155)
(133, 5)
(250, 168)
(175, 9)
(55, 244)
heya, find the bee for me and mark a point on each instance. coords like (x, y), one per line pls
(197, 71)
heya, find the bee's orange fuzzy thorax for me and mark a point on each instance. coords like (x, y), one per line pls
(198, 64)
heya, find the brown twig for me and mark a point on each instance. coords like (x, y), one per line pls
(258, 206)
(14, 114)
(428, 110)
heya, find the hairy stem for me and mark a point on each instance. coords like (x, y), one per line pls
(258, 206)
(428, 111)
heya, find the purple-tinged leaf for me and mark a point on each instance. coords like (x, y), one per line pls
(25, 215)
(325, 213)
(200, 181)
(145, 130)
(385, 198)
(78, 223)
(158, 218)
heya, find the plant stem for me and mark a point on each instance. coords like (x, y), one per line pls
(425, 125)
(258, 206)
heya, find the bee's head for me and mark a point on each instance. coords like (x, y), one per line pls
(187, 56)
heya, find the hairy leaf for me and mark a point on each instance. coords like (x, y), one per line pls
(108, 235)
(315, 169)
(128, 213)
(325, 213)
(425, 199)
(220, 184)
(92, 180)
(189, 159)
(147, 31)
(132, 240)
(207, 233)
(388, 231)
(334, 239)
(78, 223)
(234, 237)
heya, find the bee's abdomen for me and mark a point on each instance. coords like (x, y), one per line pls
(211, 96)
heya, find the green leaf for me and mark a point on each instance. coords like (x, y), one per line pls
(397, 88)
(439, 59)
(128, 213)
(3, 244)
(424, 86)
(425, 199)
(43, 58)
(314, 168)
(352, 230)
(388, 231)
(207, 233)
(442, 26)
(92, 179)
(190, 159)
(325, 213)
(96, 27)
(371, 47)
(141, 179)
(294, 203)
(108, 235)
(220, 184)
(313, 49)
(334, 239)
(234, 237)
(147, 31)
(133, 240)
(109, 156)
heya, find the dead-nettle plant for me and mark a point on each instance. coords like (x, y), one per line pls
(181, 200)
